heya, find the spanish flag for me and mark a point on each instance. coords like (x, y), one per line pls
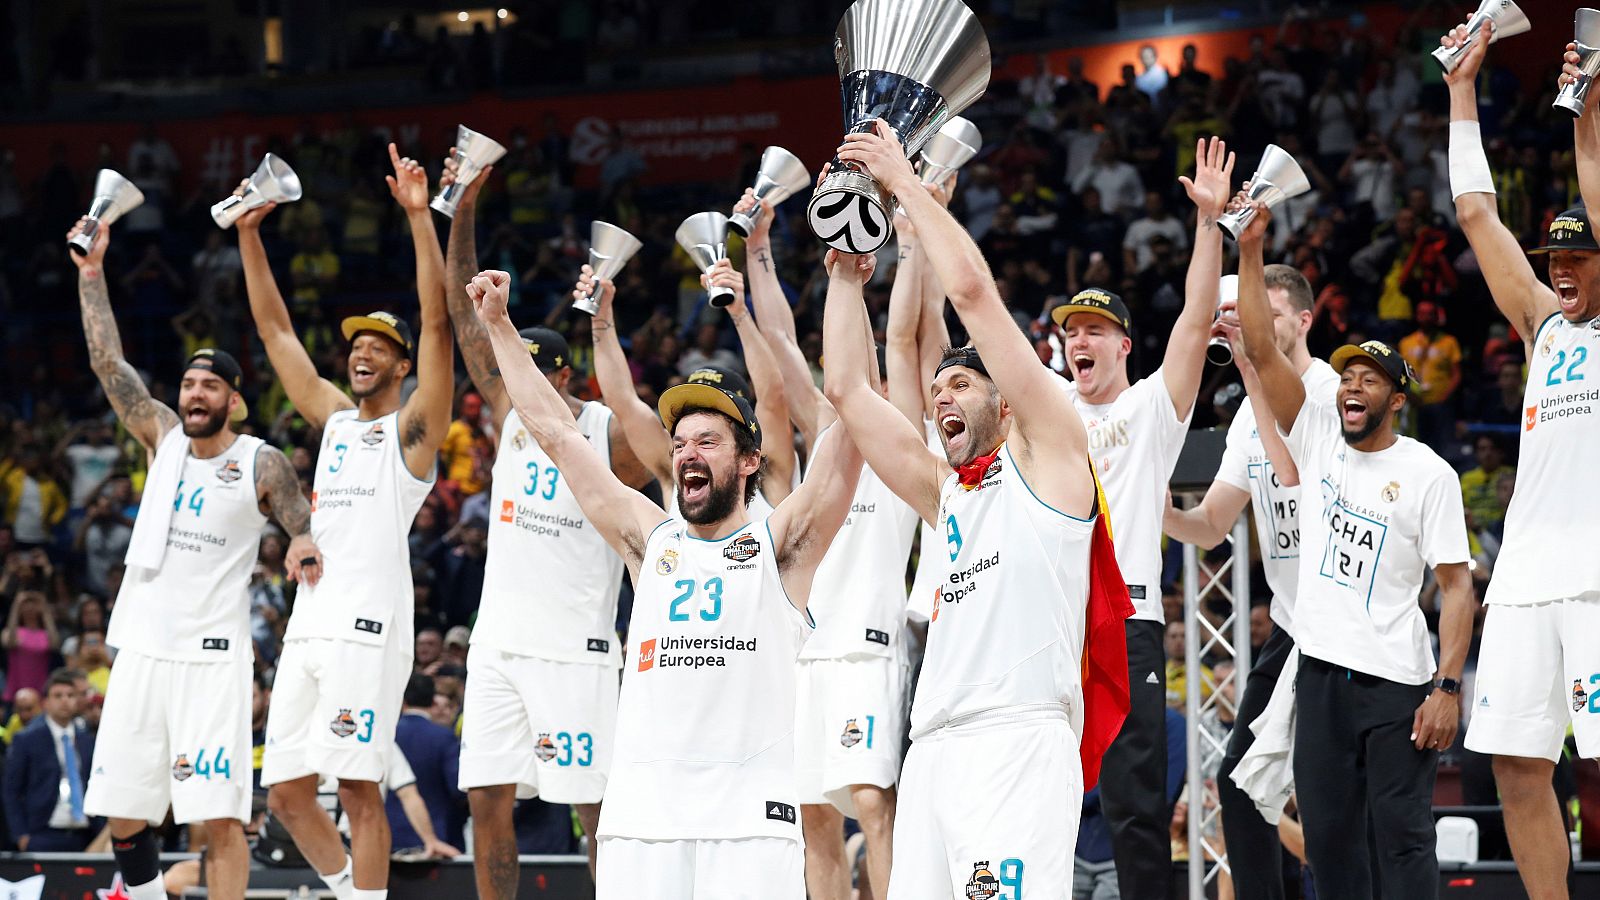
(1105, 645)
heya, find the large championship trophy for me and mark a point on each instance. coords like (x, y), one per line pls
(947, 151)
(1277, 178)
(913, 64)
(114, 196)
(781, 176)
(1508, 21)
(273, 182)
(1586, 31)
(704, 236)
(1218, 351)
(610, 248)
(474, 153)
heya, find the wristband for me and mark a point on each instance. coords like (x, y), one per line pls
(1469, 167)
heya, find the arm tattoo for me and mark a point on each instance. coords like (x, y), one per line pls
(470, 334)
(279, 488)
(764, 259)
(140, 412)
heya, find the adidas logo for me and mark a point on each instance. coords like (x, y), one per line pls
(1152, 679)
(1483, 701)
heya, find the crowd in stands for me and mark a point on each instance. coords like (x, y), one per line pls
(1076, 186)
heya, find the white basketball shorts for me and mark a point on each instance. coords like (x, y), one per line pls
(848, 715)
(173, 732)
(1538, 670)
(548, 727)
(335, 704)
(758, 868)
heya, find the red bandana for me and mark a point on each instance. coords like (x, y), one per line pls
(972, 473)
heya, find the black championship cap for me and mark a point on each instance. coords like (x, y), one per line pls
(1379, 354)
(1569, 231)
(1098, 302)
(684, 399)
(387, 324)
(549, 349)
(222, 364)
(722, 377)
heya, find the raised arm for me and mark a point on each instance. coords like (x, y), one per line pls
(1047, 429)
(146, 418)
(461, 263)
(805, 524)
(1280, 383)
(639, 423)
(777, 443)
(278, 492)
(902, 364)
(425, 417)
(622, 515)
(1522, 298)
(1585, 133)
(1185, 360)
(894, 448)
(315, 397)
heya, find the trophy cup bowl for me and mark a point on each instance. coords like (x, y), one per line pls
(273, 182)
(1218, 351)
(1508, 20)
(781, 176)
(1586, 31)
(704, 236)
(1277, 178)
(952, 147)
(114, 196)
(610, 248)
(913, 64)
(474, 153)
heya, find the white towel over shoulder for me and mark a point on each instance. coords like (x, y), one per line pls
(1266, 772)
(148, 544)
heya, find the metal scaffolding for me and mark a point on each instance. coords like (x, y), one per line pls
(1229, 638)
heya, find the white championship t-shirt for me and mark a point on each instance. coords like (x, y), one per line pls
(1372, 523)
(1134, 441)
(550, 583)
(1548, 552)
(1275, 507)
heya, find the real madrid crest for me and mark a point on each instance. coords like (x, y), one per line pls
(1391, 492)
(519, 440)
(667, 563)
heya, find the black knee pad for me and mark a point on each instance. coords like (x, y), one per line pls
(139, 857)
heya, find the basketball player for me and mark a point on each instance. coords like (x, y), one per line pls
(700, 801)
(1538, 656)
(1136, 432)
(1372, 707)
(176, 725)
(347, 651)
(1256, 467)
(992, 785)
(541, 704)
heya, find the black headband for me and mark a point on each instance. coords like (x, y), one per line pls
(962, 356)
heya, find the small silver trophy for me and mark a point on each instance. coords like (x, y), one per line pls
(704, 236)
(913, 64)
(781, 176)
(610, 248)
(947, 151)
(1508, 20)
(1218, 351)
(114, 196)
(273, 182)
(474, 153)
(1277, 178)
(1586, 28)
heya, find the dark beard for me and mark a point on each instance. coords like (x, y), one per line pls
(1373, 423)
(380, 383)
(720, 502)
(207, 428)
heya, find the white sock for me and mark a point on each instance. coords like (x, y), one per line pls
(340, 882)
(382, 894)
(150, 890)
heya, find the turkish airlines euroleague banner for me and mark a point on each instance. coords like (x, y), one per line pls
(682, 135)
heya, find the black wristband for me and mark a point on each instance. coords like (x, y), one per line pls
(308, 561)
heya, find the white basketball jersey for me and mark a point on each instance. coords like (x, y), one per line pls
(1276, 508)
(705, 723)
(1134, 441)
(196, 607)
(858, 597)
(1548, 552)
(362, 502)
(551, 582)
(1007, 626)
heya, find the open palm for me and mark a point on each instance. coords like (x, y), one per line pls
(409, 183)
(1211, 186)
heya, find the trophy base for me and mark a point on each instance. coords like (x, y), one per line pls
(1234, 224)
(589, 304)
(1218, 352)
(442, 205)
(851, 212)
(84, 242)
(741, 223)
(720, 297)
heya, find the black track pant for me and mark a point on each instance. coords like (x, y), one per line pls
(1133, 773)
(1255, 852)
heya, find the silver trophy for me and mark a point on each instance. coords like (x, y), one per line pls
(1277, 178)
(781, 176)
(704, 236)
(610, 248)
(1586, 28)
(114, 196)
(913, 64)
(273, 182)
(1218, 351)
(947, 151)
(1508, 21)
(474, 153)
